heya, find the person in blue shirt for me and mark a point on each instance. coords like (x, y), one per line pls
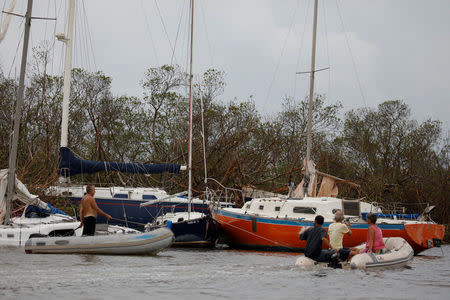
(314, 237)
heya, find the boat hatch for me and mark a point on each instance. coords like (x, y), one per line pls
(277, 208)
(304, 210)
(261, 207)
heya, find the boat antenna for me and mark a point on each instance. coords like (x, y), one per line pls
(67, 80)
(190, 111)
(17, 116)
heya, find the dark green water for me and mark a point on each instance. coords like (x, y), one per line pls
(213, 274)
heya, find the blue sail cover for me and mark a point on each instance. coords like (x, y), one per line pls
(34, 211)
(71, 165)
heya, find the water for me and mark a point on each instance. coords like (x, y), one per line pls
(213, 274)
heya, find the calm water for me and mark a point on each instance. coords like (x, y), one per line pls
(213, 274)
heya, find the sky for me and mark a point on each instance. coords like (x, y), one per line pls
(375, 50)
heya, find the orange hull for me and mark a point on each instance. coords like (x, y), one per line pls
(244, 231)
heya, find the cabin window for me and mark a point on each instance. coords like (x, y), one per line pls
(277, 208)
(351, 208)
(247, 206)
(121, 196)
(304, 210)
(10, 235)
(180, 220)
(65, 193)
(261, 207)
(149, 197)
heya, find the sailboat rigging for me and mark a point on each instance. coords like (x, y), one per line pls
(191, 229)
(274, 223)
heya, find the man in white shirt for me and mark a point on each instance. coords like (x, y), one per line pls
(336, 232)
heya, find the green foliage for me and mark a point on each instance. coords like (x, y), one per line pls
(394, 158)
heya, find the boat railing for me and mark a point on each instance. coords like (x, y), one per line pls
(224, 194)
(401, 211)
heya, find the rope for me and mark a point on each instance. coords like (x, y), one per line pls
(121, 220)
(351, 55)
(274, 77)
(261, 237)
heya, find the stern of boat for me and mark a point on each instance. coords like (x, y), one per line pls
(423, 236)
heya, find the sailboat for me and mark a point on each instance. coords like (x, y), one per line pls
(38, 218)
(274, 223)
(191, 228)
(121, 202)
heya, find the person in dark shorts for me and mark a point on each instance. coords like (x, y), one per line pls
(314, 237)
(89, 225)
(89, 211)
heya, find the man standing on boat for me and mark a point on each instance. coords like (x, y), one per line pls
(336, 232)
(89, 211)
(314, 237)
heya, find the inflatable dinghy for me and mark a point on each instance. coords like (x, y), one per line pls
(125, 244)
(398, 253)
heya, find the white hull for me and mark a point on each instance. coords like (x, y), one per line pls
(22, 229)
(126, 244)
(399, 253)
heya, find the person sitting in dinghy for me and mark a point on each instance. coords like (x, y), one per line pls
(374, 239)
(314, 237)
(336, 232)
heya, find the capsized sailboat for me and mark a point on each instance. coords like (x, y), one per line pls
(274, 223)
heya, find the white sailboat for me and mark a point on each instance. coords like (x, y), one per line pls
(15, 231)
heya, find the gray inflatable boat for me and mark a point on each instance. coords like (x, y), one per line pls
(146, 243)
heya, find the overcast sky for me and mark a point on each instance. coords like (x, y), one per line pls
(376, 50)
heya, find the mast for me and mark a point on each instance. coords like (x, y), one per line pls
(190, 111)
(311, 95)
(17, 116)
(67, 76)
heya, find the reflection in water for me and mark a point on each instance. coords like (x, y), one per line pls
(91, 258)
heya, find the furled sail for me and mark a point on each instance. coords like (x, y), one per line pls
(71, 165)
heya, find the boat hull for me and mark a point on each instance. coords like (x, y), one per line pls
(135, 216)
(273, 234)
(195, 233)
(18, 234)
(148, 243)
